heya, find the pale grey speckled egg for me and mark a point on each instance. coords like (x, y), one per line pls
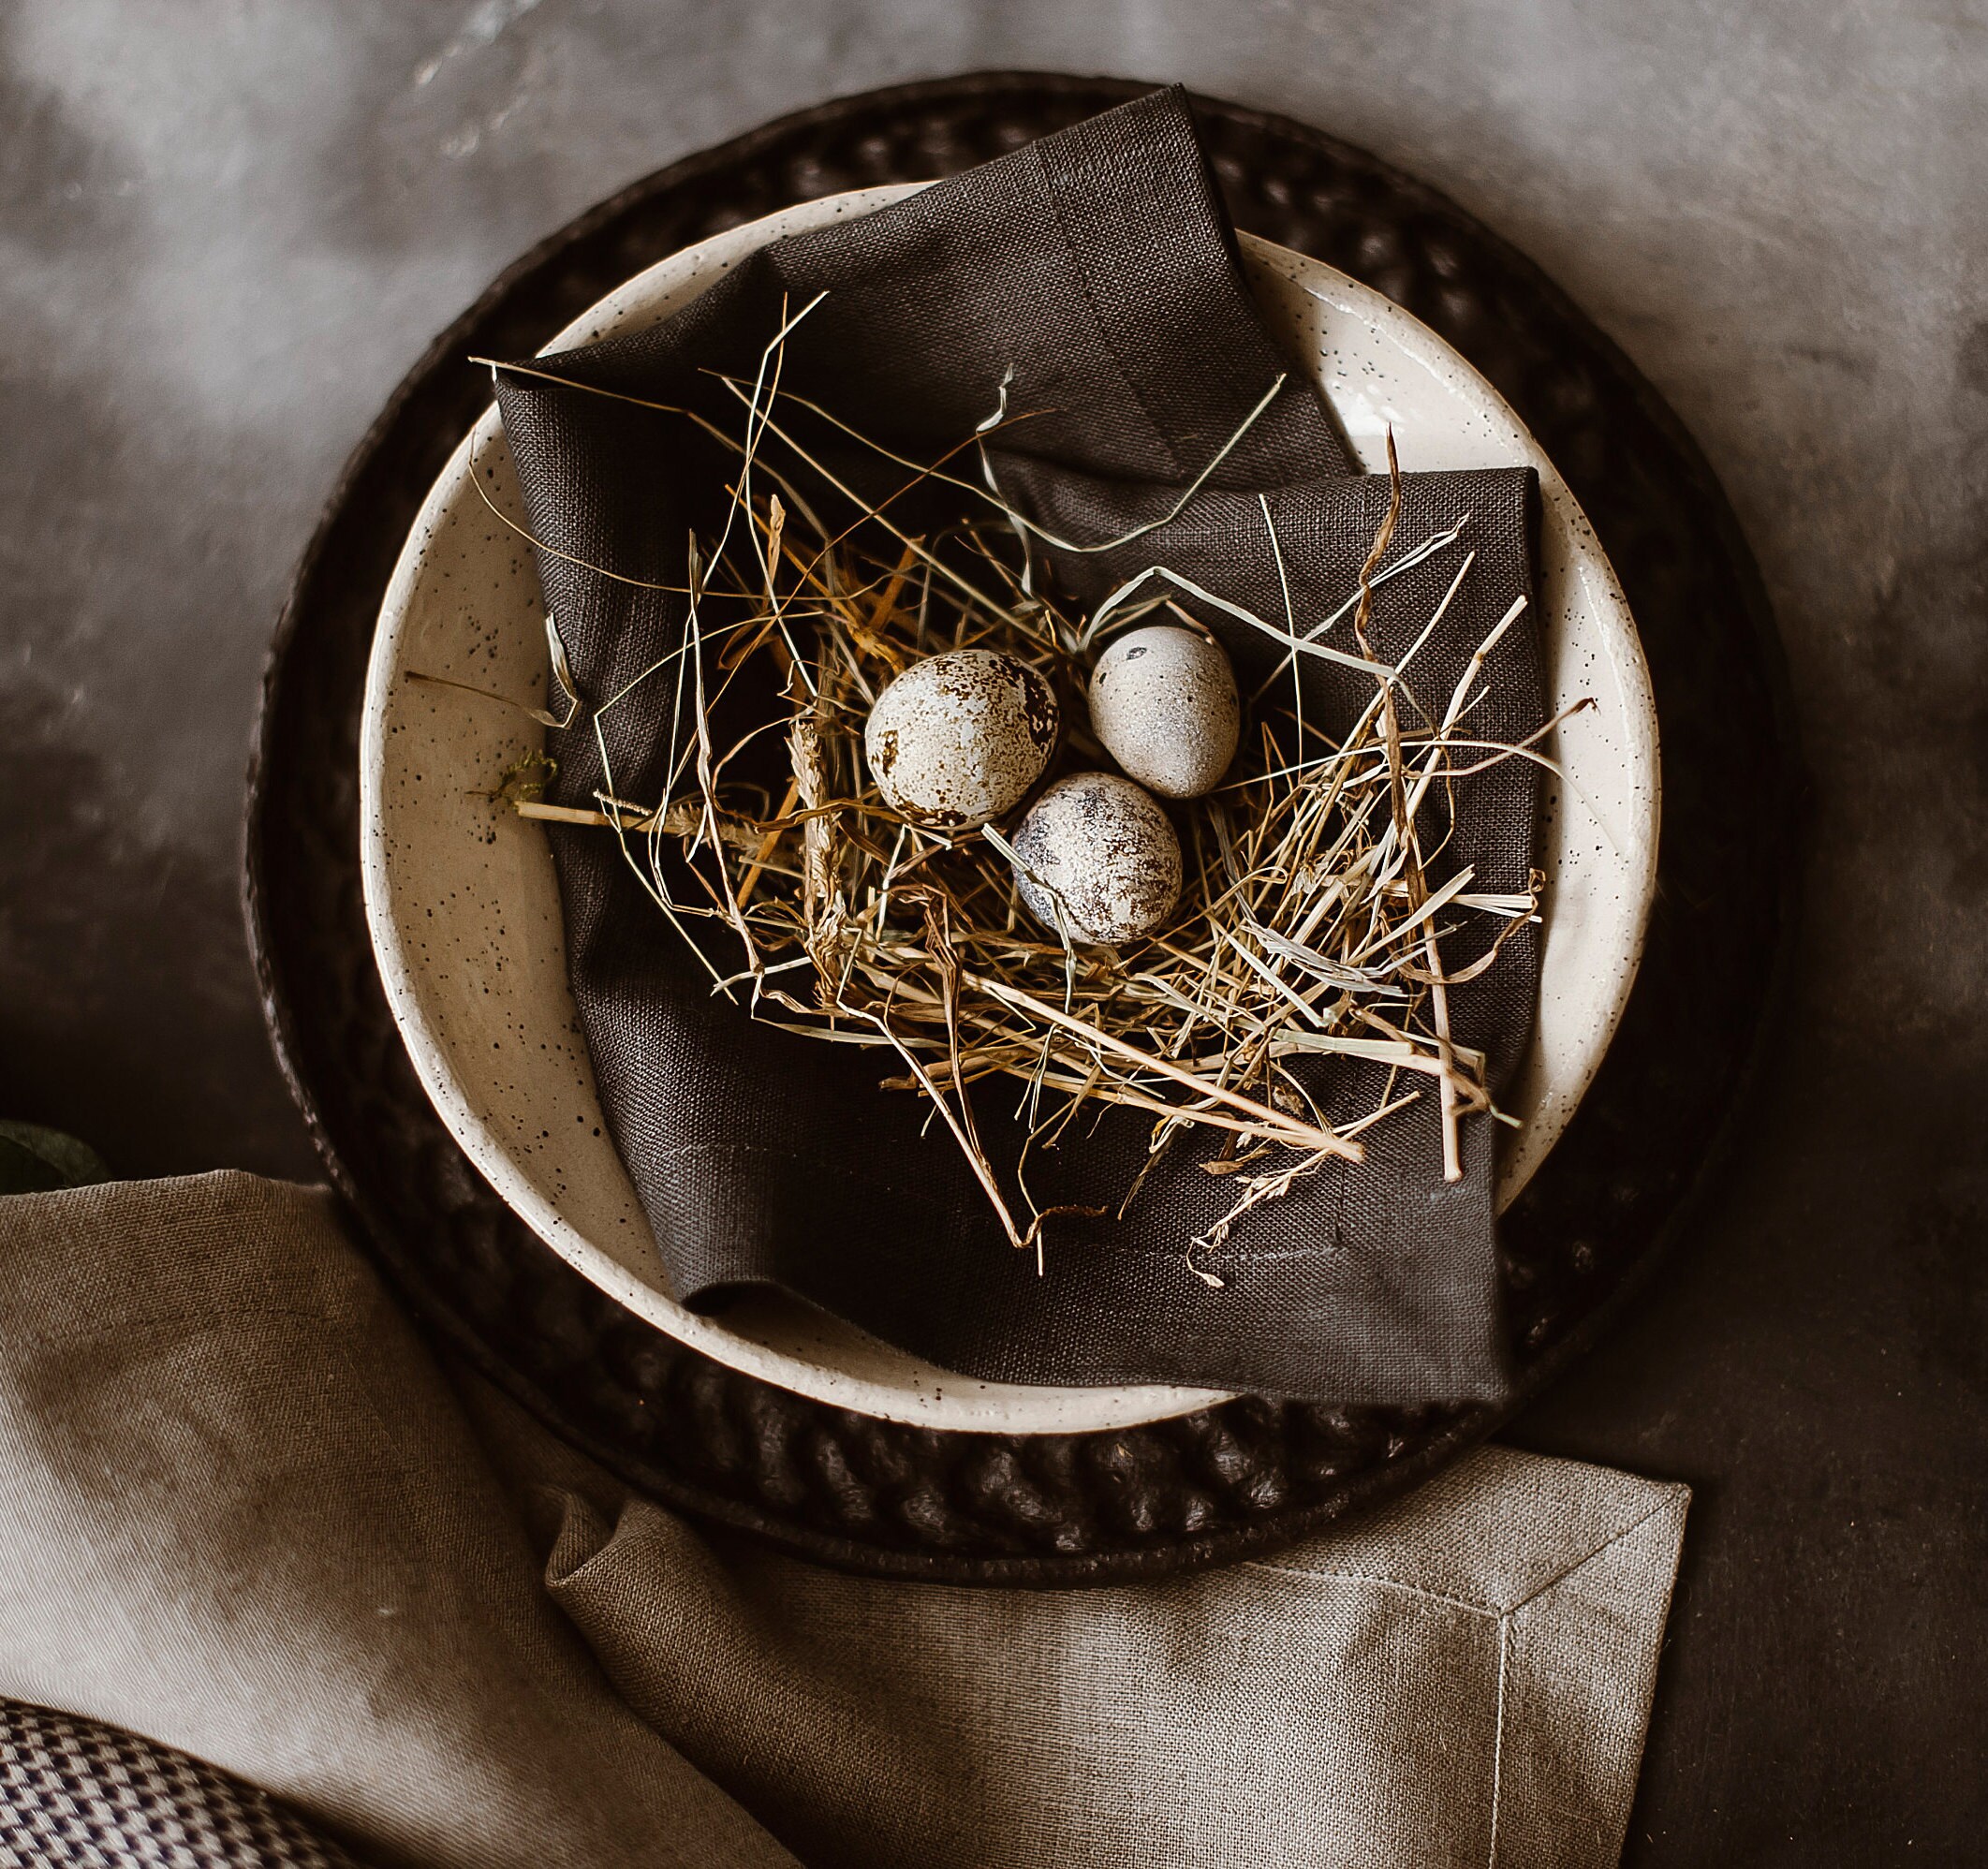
(958, 739)
(1106, 850)
(1164, 705)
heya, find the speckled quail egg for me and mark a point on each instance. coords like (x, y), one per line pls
(1164, 705)
(1108, 853)
(958, 739)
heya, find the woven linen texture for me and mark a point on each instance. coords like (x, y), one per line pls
(1096, 271)
(249, 1518)
(1463, 1678)
(245, 1519)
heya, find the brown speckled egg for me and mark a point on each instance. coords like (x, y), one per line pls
(1107, 852)
(1164, 705)
(958, 739)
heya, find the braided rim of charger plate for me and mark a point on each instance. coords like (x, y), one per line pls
(1230, 1480)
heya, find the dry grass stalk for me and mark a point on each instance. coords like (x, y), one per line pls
(1309, 924)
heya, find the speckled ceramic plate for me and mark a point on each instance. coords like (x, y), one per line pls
(463, 904)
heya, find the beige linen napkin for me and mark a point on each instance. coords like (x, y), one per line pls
(245, 1514)
(240, 1513)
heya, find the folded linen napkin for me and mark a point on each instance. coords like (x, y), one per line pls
(1096, 275)
(249, 1518)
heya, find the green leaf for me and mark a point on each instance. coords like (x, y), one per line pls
(34, 1160)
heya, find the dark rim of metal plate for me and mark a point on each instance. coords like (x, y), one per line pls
(1230, 1480)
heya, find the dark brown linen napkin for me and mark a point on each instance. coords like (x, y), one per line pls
(1096, 274)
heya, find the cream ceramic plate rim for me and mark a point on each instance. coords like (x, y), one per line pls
(936, 1398)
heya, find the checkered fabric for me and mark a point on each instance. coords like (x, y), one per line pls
(73, 1792)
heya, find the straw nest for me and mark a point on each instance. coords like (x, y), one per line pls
(1310, 923)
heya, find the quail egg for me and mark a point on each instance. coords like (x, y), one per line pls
(1102, 847)
(1164, 705)
(959, 739)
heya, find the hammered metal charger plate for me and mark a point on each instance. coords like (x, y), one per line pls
(1202, 1487)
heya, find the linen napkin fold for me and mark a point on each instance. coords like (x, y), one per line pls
(1096, 273)
(249, 1518)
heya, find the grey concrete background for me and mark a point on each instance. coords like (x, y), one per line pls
(228, 227)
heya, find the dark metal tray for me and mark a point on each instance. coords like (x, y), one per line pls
(1207, 1487)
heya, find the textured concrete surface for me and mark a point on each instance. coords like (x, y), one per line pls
(226, 228)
